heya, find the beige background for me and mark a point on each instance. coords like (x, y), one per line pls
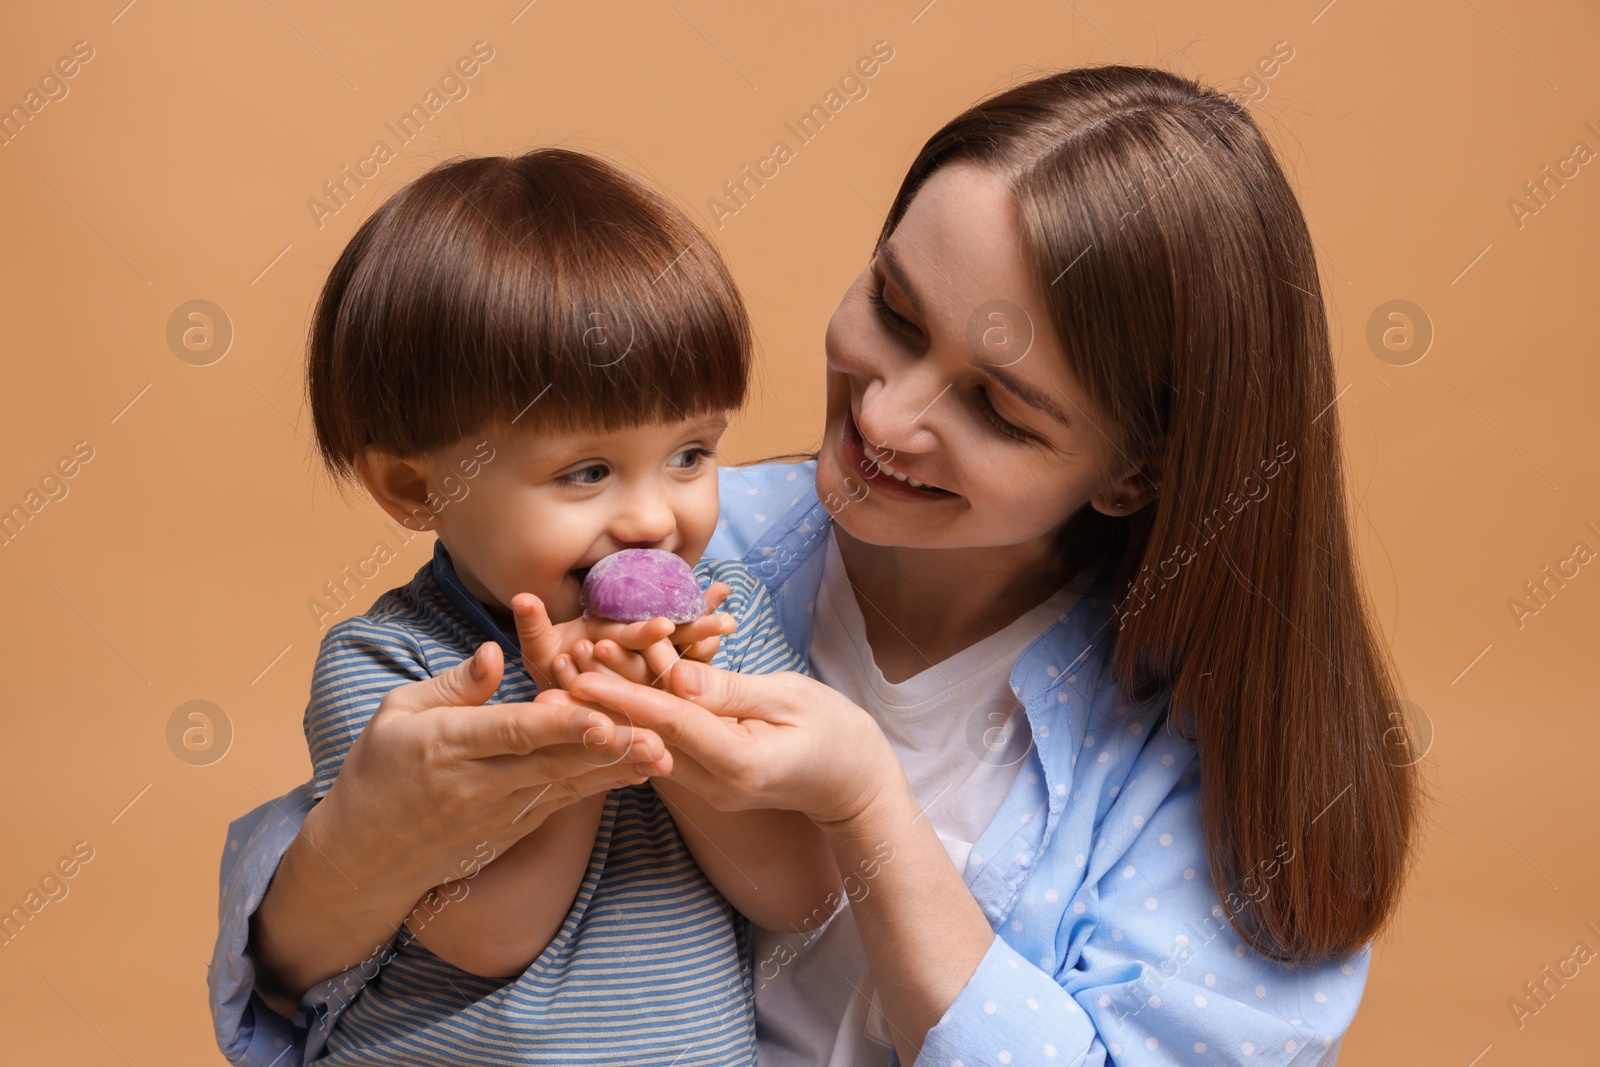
(179, 565)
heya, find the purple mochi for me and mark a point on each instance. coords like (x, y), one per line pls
(641, 583)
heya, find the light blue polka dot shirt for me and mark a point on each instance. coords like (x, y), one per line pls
(1111, 945)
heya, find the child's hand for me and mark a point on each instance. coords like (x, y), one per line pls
(700, 639)
(543, 642)
(697, 640)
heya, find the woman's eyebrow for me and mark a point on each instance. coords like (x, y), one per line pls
(1035, 398)
(891, 260)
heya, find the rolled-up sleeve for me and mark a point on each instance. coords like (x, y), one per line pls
(248, 1031)
(1151, 973)
(1049, 1028)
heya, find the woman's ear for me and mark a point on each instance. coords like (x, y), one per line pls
(1130, 492)
(400, 486)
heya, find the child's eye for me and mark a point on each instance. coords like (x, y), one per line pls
(593, 474)
(690, 458)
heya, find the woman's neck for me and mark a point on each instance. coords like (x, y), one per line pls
(922, 606)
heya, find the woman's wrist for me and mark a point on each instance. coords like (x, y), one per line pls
(899, 878)
(326, 909)
(355, 849)
(867, 816)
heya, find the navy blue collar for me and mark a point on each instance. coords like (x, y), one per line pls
(444, 575)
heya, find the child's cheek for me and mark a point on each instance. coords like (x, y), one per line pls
(701, 520)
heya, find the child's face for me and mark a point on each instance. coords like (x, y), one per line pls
(542, 507)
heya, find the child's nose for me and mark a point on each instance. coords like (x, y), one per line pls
(645, 521)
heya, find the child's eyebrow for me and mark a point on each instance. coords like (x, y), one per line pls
(578, 448)
(560, 457)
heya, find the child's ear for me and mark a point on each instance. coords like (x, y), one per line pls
(400, 486)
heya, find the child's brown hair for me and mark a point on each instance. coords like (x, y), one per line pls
(549, 289)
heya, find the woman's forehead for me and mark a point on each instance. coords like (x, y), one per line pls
(961, 236)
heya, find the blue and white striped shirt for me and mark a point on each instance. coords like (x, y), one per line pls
(651, 964)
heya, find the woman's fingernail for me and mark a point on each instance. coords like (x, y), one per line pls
(594, 736)
(475, 667)
(694, 682)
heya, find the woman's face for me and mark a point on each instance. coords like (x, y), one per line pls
(943, 370)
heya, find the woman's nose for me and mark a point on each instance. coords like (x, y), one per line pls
(895, 412)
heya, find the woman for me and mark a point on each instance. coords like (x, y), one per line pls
(1106, 759)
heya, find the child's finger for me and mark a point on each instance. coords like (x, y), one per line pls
(704, 651)
(717, 624)
(715, 595)
(616, 660)
(583, 657)
(660, 657)
(630, 635)
(565, 670)
(536, 634)
(533, 622)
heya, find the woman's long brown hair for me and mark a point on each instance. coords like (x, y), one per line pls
(1182, 282)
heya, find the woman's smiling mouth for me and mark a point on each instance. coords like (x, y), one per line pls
(863, 457)
(891, 472)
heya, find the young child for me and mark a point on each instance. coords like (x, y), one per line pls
(535, 357)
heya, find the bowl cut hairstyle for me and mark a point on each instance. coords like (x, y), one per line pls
(549, 290)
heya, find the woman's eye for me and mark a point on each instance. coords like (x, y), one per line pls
(987, 409)
(593, 474)
(889, 316)
(690, 458)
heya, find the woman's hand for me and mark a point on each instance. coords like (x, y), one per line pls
(755, 741)
(433, 784)
(440, 773)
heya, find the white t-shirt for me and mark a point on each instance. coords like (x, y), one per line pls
(961, 737)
